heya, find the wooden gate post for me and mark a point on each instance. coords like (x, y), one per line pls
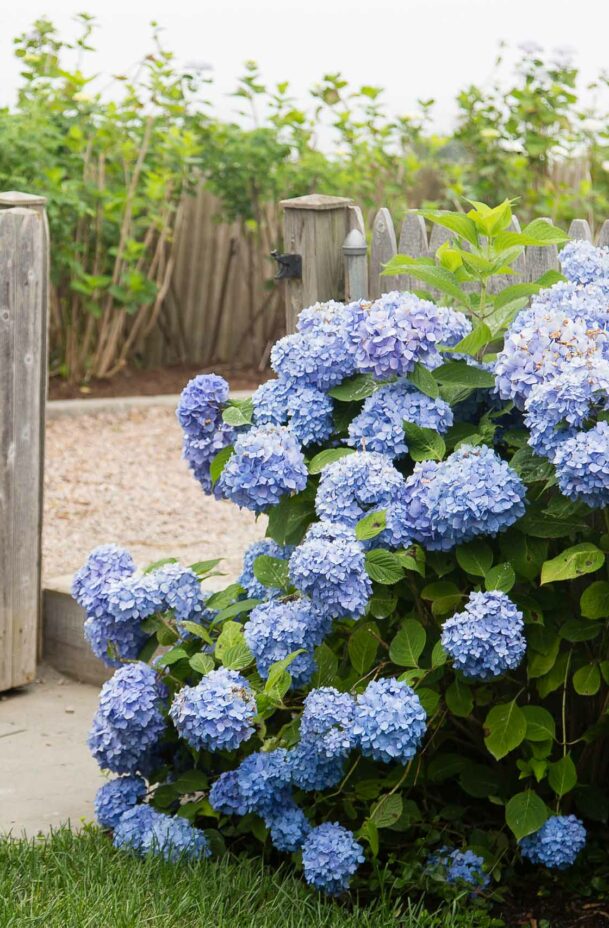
(315, 227)
(24, 256)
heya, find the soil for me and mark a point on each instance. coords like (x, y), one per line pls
(154, 382)
(554, 911)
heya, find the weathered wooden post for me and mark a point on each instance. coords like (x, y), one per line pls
(314, 228)
(24, 258)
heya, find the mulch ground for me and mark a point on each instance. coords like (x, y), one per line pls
(154, 382)
(557, 911)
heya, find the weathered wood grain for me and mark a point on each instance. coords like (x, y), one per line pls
(23, 339)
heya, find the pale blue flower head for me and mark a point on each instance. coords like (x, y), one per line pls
(360, 483)
(390, 721)
(276, 629)
(217, 714)
(582, 466)
(116, 797)
(327, 722)
(329, 566)
(201, 403)
(267, 464)
(380, 425)
(557, 844)
(487, 638)
(330, 858)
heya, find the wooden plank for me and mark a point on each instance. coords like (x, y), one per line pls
(23, 322)
(315, 228)
(413, 242)
(603, 235)
(580, 231)
(382, 249)
(541, 258)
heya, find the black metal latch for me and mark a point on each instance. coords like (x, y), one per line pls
(287, 266)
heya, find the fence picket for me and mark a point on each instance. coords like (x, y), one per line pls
(413, 242)
(579, 230)
(384, 247)
(603, 235)
(541, 258)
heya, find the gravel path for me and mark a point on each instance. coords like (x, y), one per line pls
(120, 478)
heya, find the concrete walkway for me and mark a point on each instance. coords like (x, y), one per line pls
(47, 776)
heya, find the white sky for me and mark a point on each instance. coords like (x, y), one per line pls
(413, 48)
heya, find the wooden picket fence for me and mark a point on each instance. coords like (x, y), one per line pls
(340, 261)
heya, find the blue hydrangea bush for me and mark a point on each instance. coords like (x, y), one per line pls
(411, 676)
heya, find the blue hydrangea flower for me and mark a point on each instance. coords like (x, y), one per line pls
(473, 492)
(112, 641)
(557, 844)
(330, 857)
(487, 638)
(146, 831)
(277, 628)
(588, 302)
(217, 714)
(253, 587)
(90, 584)
(310, 415)
(541, 343)
(558, 408)
(380, 425)
(583, 263)
(134, 598)
(331, 314)
(360, 483)
(267, 464)
(462, 867)
(201, 402)
(288, 825)
(390, 721)
(199, 453)
(388, 337)
(180, 589)
(582, 466)
(317, 357)
(327, 722)
(262, 779)
(225, 795)
(115, 798)
(270, 403)
(311, 770)
(129, 720)
(454, 325)
(329, 567)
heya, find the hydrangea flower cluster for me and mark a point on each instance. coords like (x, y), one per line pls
(487, 638)
(329, 567)
(116, 797)
(312, 770)
(267, 463)
(583, 263)
(582, 466)
(327, 722)
(276, 629)
(463, 867)
(253, 587)
(330, 857)
(306, 410)
(557, 844)
(380, 425)
(117, 599)
(217, 714)
(319, 356)
(199, 413)
(397, 331)
(390, 721)
(473, 492)
(364, 482)
(129, 720)
(288, 825)
(542, 343)
(145, 831)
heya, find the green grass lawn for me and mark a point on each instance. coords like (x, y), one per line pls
(81, 881)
